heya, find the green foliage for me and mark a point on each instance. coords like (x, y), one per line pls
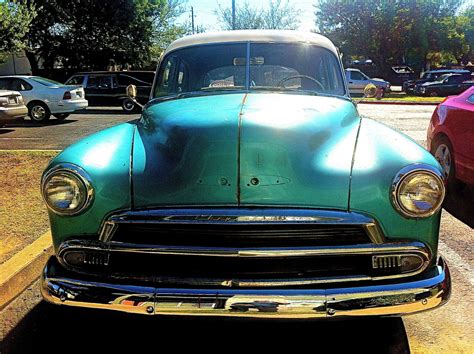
(392, 32)
(278, 16)
(91, 34)
(15, 19)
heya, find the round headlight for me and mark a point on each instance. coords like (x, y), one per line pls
(67, 190)
(418, 191)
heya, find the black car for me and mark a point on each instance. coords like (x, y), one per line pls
(108, 88)
(446, 85)
(433, 75)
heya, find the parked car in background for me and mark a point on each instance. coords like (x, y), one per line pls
(445, 85)
(108, 88)
(12, 107)
(250, 186)
(451, 137)
(357, 81)
(45, 97)
(433, 75)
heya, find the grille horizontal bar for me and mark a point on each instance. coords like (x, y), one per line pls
(240, 236)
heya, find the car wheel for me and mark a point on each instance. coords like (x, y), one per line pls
(128, 105)
(442, 150)
(61, 116)
(38, 112)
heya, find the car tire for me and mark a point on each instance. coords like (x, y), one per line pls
(38, 112)
(61, 116)
(129, 106)
(442, 150)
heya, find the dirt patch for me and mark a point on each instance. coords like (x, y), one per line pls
(23, 215)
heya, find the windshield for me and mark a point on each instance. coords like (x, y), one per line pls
(443, 77)
(46, 82)
(272, 67)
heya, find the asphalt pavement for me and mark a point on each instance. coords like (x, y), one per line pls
(28, 324)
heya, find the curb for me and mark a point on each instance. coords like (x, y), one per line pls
(20, 271)
(401, 103)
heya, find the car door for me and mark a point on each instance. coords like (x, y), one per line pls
(452, 86)
(463, 127)
(357, 81)
(99, 90)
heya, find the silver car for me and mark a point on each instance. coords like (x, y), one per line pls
(357, 81)
(45, 97)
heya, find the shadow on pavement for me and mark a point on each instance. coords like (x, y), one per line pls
(459, 203)
(6, 131)
(62, 328)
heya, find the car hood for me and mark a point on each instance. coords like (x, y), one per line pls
(381, 81)
(243, 149)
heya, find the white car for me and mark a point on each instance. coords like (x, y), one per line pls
(45, 97)
(357, 81)
(12, 107)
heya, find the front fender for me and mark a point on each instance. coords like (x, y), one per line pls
(380, 153)
(106, 157)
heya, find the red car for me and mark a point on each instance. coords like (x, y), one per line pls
(451, 137)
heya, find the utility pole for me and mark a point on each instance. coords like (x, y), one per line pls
(233, 14)
(192, 17)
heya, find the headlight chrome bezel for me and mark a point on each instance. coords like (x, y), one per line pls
(408, 171)
(76, 172)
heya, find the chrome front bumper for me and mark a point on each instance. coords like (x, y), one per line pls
(59, 286)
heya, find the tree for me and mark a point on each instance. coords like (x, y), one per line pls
(90, 34)
(388, 32)
(278, 16)
(15, 19)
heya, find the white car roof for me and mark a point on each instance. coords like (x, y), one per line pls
(270, 36)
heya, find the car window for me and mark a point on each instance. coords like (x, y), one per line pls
(75, 80)
(456, 79)
(296, 67)
(20, 85)
(164, 81)
(196, 69)
(5, 84)
(45, 82)
(101, 82)
(470, 99)
(355, 75)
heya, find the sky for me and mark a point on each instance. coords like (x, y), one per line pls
(204, 12)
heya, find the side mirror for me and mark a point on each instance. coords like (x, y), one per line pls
(132, 91)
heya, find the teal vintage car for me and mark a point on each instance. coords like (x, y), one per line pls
(250, 186)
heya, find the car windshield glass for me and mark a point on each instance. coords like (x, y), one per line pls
(46, 82)
(200, 69)
(299, 67)
(443, 77)
(272, 67)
